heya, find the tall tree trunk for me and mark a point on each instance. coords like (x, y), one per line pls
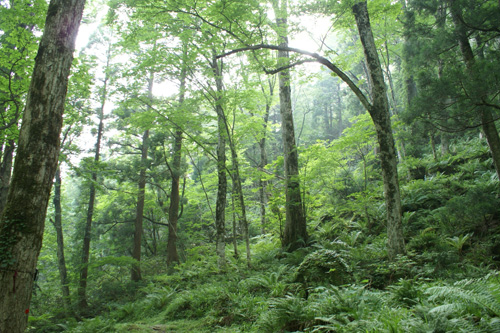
(235, 234)
(61, 261)
(173, 211)
(23, 220)
(139, 213)
(379, 112)
(6, 172)
(87, 236)
(263, 157)
(487, 120)
(220, 206)
(295, 233)
(175, 171)
(239, 191)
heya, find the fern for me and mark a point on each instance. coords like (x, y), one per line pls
(479, 298)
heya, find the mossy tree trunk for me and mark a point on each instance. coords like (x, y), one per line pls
(173, 211)
(220, 205)
(295, 233)
(379, 112)
(23, 220)
(263, 155)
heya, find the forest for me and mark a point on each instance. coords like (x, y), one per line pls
(249, 166)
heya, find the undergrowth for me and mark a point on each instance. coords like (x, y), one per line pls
(342, 281)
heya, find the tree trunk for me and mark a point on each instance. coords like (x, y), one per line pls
(239, 191)
(220, 206)
(61, 261)
(295, 233)
(84, 270)
(22, 222)
(379, 112)
(235, 234)
(487, 120)
(263, 158)
(6, 172)
(139, 213)
(173, 211)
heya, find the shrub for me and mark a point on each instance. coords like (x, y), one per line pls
(325, 266)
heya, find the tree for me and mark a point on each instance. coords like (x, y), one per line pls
(139, 213)
(220, 207)
(478, 94)
(295, 233)
(175, 170)
(23, 219)
(379, 111)
(18, 45)
(61, 260)
(85, 254)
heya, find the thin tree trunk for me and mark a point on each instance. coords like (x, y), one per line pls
(61, 261)
(139, 213)
(84, 271)
(263, 158)
(23, 220)
(6, 172)
(239, 191)
(220, 207)
(379, 112)
(173, 211)
(295, 233)
(235, 241)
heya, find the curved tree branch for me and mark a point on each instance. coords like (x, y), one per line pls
(322, 60)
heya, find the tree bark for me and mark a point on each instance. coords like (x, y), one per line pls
(84, 271)
(220, 206)
(6, 172)
(173, 211)
(139, 214)
(379, 112)
(22, 222)
(235, 233)
(295, 233)
(61, 261)
(239, 191)
(263, 158)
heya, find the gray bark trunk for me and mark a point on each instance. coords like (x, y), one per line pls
(173, 211)
(22, 222)
(295, 233)
(61, 261)
(139, 213)
(241, 201)
(220, 206)
(263, 158)
(379, 112)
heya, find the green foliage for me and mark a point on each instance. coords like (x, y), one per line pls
(324, 266)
